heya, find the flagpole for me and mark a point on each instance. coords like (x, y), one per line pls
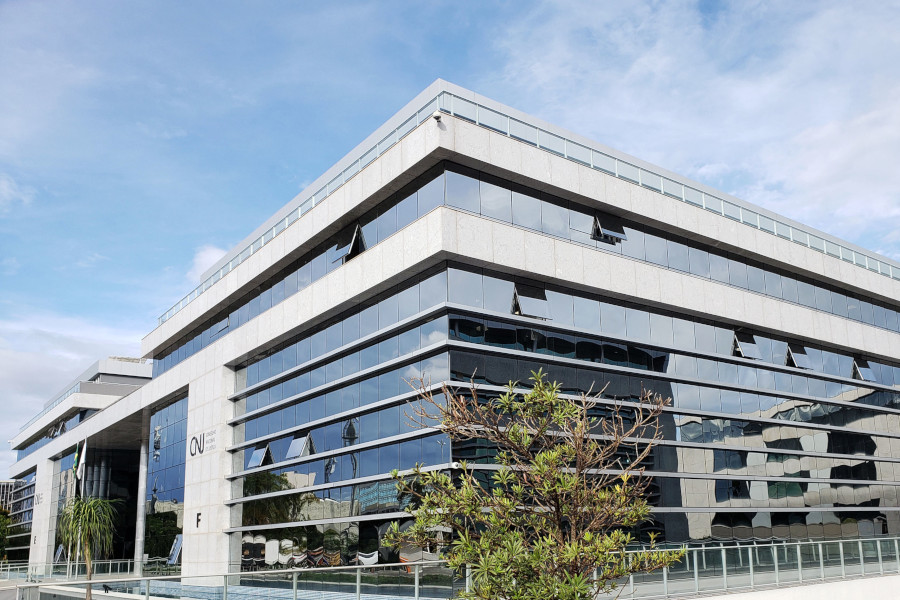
(80, 472)
(69, 549)
(80, 459)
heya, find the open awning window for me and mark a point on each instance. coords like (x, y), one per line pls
(261, 456)
(797, 357)
(608, 228)
(301, 446)
(531, 302)
(862, 370)
(349, 243)
(745, 346)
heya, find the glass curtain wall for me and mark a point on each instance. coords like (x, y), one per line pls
(165, 483)
(743, 436)
(21, 516)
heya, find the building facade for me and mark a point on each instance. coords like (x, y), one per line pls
(44, 480)
(466, 239)
(7, 487)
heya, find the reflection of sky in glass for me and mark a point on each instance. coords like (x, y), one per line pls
(165, 472)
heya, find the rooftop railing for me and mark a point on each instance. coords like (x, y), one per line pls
(53, 404)
(566, 148)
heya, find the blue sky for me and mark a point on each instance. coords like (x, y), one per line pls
(139, 140)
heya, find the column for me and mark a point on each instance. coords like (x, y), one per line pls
(142, 495)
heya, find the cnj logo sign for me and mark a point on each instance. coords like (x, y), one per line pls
(204, 442)
(198, 444)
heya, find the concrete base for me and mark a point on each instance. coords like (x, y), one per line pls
(867, 588)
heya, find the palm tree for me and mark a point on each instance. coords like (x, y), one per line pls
(88, 524)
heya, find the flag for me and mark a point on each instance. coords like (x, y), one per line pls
(80, 459)
(75, 464)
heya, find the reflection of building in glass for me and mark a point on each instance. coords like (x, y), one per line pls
(7, 489)
(165, 479)
(480, 247)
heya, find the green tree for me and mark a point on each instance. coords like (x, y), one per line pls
(88, 524)
(553, 521)
(4, 532)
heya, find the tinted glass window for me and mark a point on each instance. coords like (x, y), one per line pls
(334, 336)
(351, 328)
(737, 273)
(866, 312)
(718, 268)
(462, 192)
(408, 302)
(656, 250)
(464, 288)
(705, 337)
(707, 369)
(683, 333)
(388, 312)
(560, 307)
(430, 196)
(637, 324)
(369, 229)
(587, 313)
(388, 349)
(498, 294)
(389, 421)
(756, 280)
(678, 256)
(853, 308)
(839, 304)
(806, 294)
(388, 458)
(789, 288)
(823, 299)
(368, 321)
(526, 211)
(554, 219)
(317, 343)
(699, 262)
(387, 223)
(660, 329)
(773, 284)
(634, 245)
(724, 340)
(433, 291)
(407, 210)
(317, 266)
(581, 221)
(612, 319)
(496, 202)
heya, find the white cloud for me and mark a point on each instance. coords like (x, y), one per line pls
(41, 353)
(90, 260)
(204, 257)
(789, 106)
(160, 132)
(11, 193)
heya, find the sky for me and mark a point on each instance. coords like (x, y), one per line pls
(141, 140)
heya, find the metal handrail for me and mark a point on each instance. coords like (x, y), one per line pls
(703, 570)
(20, 569)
